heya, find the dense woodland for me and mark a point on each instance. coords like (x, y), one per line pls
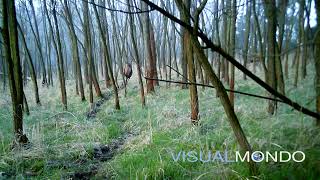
(104, 89)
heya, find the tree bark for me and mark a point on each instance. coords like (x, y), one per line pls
(270, 11)
(59, 57)
(75, 50)
(188, 52)
(261, 47)
(304, 43)
(136, 53)
(233, 47)
(151, 64)
(110, 71)
(300, 56)
(36, 33)
(246, 37)
(11, 46)
(30, 66)
(317, 61)
(232, 118)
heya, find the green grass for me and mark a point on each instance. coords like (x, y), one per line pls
(62, 142)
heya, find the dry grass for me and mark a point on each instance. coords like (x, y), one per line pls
(63, 142)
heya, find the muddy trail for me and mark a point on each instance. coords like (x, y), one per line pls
(97, 105)
(85, 167)
(101, 153)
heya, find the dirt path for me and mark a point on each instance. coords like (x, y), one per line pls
(97, 105)
(102, 153)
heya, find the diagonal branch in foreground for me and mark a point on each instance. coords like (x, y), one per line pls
(232, 60)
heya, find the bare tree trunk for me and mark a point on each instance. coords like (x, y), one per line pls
(184, 46)
(10, 38)
(279, 72)
(110, 71)
(175, 57)
(304, 42)
(225, 39)
(105, 29)
(154, 54)
(59, 56)
(192, 77)
(317, 61)
(270, 11)
(116, 42)
(136, 53)
(255, 50)
(150, 63)
(232, 118)
(173, 32)
(25, 105)
(4, 71)
(88, 48)
(282, 7)
(75, 51)
(48, 40)
(288, 39)
(89, 54)
(233, 47)
(31, 67)
(246, 37)
(188, 52)
(216, 24)
(163, 47)
(300, 57)
(261, 47)
(36, 33)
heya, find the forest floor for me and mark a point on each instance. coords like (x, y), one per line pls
(138, 143)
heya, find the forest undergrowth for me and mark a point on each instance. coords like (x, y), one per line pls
(138, 142)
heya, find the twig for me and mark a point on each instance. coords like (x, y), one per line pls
(178, 72)
(118, 10)
(204, 85)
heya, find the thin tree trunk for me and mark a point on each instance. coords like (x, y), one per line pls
(36, 33)
(103, 36)
(281, 21)
(25, 105)
(246, 37)
(288, 39)
(184, 46)
(304, 42)
(60, 64)
(300, 57)
(232, 47)
(75, 50)
(257, 25)
(270, 11)
(31, 67)
(232, 118)
(192, 77)
(136, 53)
(317, 61)
(150, 64)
